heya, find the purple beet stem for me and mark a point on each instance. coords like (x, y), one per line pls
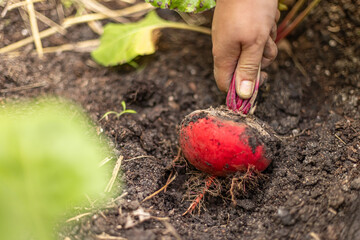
(238, 105)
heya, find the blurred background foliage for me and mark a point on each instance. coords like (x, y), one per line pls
(49, 162)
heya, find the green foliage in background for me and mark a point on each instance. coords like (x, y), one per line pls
(184, 5)
(49, 160)
(67, 3)
(282, 6)
(121, 43)
(192, 6)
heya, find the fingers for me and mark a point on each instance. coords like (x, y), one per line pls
(277, 16)
(263, 78)
(223, 71)
(273, 32)
(247, 69)
(240, 31)
(247, 65)
(226, 47)
(270, 53)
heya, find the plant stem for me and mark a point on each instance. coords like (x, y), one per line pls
(187, 27)
(290, 15)
(297, 20)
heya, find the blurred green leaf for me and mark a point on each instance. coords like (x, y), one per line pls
(67, 3)
(121, 43)
(193, 6)
(282, 6)
(184, 6)
(49, 160)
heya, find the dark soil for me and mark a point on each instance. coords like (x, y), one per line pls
(312, 186)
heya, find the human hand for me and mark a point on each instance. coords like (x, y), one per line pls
(243, 35)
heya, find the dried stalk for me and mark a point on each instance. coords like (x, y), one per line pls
(34, 28)
(68, 22)
(13, 6)
(50, 23)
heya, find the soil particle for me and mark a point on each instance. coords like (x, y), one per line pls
(139, 234)
(148, 139)
(246, 204)
(352, 229)
(285, 216)
(336, 198)
(355, 184)
(310, 180)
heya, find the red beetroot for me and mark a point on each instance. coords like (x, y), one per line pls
(220, 142)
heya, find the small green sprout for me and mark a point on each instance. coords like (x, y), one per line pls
(118, 114)
(67, 3)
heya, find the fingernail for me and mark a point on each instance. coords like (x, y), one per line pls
(245, 89)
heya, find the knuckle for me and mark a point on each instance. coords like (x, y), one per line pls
(270, 51)
(273, 32)
(265, 62)
(259, 38)
(272, 54)
(249, 70)
(215, 51)
(262, 38)
(222, 86)
(273, 51)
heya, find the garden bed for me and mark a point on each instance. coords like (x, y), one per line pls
(311, 99)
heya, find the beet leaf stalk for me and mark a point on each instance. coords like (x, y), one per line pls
(238, 105)
(285, 27)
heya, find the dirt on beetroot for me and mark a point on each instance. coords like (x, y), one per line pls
(312, 100)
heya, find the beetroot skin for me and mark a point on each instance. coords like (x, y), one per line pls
(220, 143)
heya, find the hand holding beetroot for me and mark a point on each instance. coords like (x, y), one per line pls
(243, 34)
(226, 142)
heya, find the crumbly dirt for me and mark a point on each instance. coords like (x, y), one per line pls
(311, 98)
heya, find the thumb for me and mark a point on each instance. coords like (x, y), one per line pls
(247, 70)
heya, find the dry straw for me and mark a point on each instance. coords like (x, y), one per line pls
(68, 22)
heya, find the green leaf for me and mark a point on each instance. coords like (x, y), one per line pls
(184, 6)
(107, 114)
(282, 7)
(49, 157)
(121, 43)
(134, 64)
(67, 3)
(123, 104)
(130, 111)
